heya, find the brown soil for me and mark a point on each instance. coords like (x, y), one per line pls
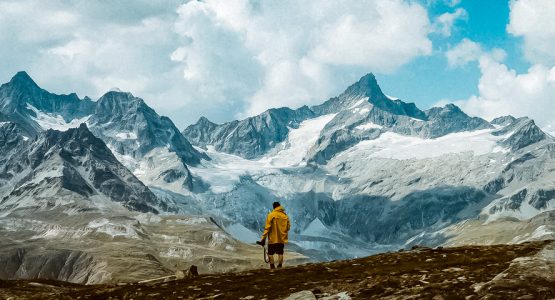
(448, 273)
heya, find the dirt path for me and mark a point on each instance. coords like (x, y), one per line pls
(450, 273)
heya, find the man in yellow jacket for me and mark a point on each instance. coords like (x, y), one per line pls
(276, 230)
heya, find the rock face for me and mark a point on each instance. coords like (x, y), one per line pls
(523, 132)
(39, 173)
(367, 88)
(363, 112)
(63, 265)
(503, 121)
(133, 128)
(251, 137)
(125, 123)
(21, 94)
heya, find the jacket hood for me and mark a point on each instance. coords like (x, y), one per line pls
(280, 209)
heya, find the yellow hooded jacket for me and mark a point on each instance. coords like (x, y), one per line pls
(277, 226)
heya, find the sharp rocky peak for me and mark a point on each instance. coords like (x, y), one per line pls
(21, 78)
(21, 92)
(203, 121)
(21, 83)
(120, 103)
(81, 134)
(366, 86)
(504, 120)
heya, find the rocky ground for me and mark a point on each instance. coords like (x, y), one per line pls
(523, 271)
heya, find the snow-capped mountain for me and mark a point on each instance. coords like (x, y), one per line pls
(138, 135)
(251, 137)
(130, 128)
(361, 173)
(71, 170)
(376, 172)
(22, 101)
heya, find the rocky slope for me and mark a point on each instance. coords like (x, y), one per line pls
(134, 131)
(117, 246)
(133, 128)
(47, 171)
(251, 137)
(21, 99)
(471, 272)
(124, 122)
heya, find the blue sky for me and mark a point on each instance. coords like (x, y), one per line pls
(235, 58)
(429, 79)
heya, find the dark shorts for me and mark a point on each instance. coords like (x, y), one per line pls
(275, 249)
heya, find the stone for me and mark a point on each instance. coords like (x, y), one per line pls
(302, 295)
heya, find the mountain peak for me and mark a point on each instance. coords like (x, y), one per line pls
(118, 92)
(367, 86)
(112, 100)
(503, 121)
(204, 121)
(24, 79)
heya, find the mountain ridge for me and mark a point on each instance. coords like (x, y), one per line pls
(419, 173)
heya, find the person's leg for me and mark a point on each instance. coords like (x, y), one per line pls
(271, 259)
(271, 252)
(279, 252)
(280, 260)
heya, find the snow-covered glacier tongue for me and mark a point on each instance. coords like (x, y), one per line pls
(364, 172)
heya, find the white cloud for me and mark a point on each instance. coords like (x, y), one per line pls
(467, 51)
(502, 91)
(533, 21)
(298, 52)
(450, 3)
(443, 24)
(463, 53)
(221, 58)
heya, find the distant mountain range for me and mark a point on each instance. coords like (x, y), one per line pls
(358, 174)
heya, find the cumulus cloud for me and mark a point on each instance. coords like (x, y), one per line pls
(503, 91)
(463, 53)
(90, 46)
(467, 51)
(444, 23)
(223, 59)
(293, 52)
(533, 21)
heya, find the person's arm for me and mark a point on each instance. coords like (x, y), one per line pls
(267, 227)
(288, 225)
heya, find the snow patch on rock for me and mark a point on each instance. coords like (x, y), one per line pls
(56, 122)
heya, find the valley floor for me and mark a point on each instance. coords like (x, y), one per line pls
(523, 271)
